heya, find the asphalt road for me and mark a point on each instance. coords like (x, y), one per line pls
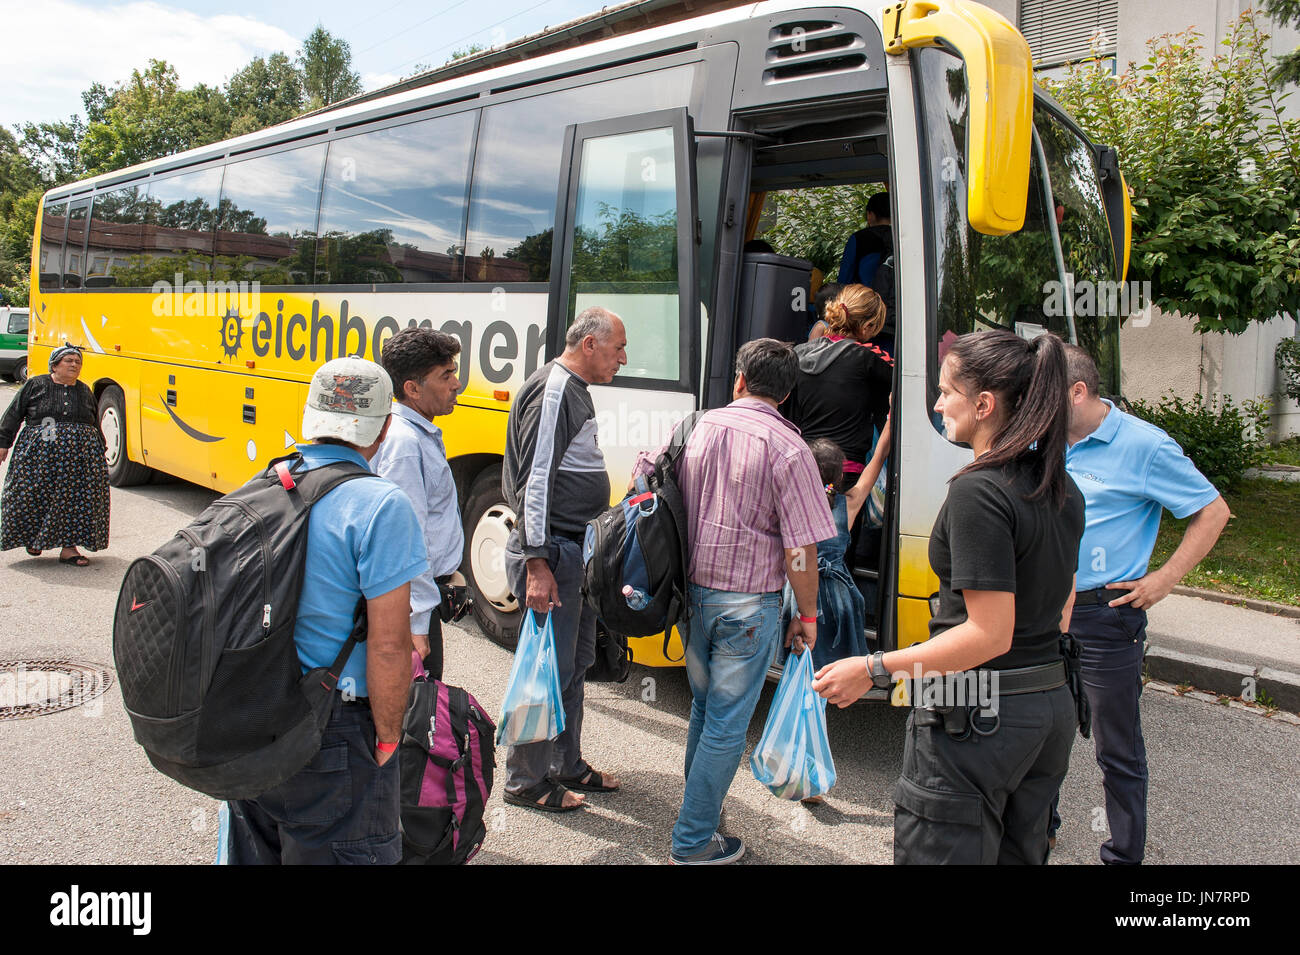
(77, 789)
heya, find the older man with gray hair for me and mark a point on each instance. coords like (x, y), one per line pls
(555, 479)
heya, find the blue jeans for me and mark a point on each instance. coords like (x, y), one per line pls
(732, 639)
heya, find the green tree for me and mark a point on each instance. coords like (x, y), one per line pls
(150, 116)
(327, 69)
(265, 92)
(1214, 169)
(468, 51)
(814, 224)
(1287, 68)
(54, 149)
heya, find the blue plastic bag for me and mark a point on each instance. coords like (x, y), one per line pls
(793, 756)
(532, 710)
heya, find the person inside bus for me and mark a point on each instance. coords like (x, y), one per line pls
(869, 259)
(826, 293)
(842, 388)
(980, 767)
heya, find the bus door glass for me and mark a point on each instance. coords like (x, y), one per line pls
(628, 243)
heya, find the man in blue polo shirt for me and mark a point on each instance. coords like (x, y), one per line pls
(363, 538)
(1127, 470)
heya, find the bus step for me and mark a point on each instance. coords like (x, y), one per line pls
(863, 574)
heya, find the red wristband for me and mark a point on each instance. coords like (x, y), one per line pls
(807, 619)
(385, 747)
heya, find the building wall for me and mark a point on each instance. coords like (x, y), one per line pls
(1167, 355)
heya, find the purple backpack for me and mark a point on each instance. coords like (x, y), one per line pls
(447, 757)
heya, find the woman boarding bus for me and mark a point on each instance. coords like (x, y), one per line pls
(978, 781)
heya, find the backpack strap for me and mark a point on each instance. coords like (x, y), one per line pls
(678, 604)
(310, 485)
(360, 630)
(677, 443)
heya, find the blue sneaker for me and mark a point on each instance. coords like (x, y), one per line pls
(721, 850)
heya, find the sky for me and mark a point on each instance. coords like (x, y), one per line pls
(57, 48)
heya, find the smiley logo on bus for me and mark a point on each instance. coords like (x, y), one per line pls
(232, 333)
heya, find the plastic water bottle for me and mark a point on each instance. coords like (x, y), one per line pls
(636, 599)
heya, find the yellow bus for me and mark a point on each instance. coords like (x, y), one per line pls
(620, 160)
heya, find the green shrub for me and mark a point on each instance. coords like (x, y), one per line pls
(1288, 362)
(1223, 439)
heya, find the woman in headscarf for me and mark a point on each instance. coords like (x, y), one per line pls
(56, 488)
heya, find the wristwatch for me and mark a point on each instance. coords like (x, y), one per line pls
(880, 677)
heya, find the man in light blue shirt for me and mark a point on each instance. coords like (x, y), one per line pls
(1128, 470)
(362, 541)
(422, 364)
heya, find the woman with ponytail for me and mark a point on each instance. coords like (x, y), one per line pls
(842, 390)
(988, 742)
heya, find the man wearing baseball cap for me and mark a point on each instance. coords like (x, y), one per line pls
(363, 539)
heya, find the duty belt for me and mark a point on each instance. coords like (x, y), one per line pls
(1096, 596)
(960, 722)
(1035, 679)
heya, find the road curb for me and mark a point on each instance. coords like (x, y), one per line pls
(1281, 687)
(1251, 603)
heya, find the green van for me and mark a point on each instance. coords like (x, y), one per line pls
(13, 343)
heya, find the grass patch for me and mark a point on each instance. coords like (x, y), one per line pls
(1257, 554)
(1285, 452)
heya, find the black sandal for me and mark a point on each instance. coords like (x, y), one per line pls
(588, 782)
(553, 793)
(77, 560)
(33, 551)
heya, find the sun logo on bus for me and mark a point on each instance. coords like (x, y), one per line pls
(232, 333)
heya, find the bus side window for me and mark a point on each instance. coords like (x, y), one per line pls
(517, 167)
(267, 225)
(393, 209)
(180, 214)
(54, 226)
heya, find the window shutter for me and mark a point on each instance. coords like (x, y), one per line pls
(1062, 30)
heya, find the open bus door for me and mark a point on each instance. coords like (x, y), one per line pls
(627, 237)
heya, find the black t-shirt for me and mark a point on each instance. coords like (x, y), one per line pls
(844, 399)
(988, 537)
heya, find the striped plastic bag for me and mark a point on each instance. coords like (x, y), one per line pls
(793, 756)
(532, 710)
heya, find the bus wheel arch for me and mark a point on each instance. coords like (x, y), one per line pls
(488, 521)
(122, 471)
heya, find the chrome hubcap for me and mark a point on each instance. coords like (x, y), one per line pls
(111, 426)
(487, 555)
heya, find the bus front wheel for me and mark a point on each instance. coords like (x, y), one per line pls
(488, 522)
(122, 471)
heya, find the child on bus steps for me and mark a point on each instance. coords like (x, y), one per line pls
(841, 609)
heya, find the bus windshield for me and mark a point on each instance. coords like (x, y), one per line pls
(1026, 281)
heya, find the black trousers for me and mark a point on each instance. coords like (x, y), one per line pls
(984, 799)
(341, 809)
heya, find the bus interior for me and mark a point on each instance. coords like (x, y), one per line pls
(840, 144)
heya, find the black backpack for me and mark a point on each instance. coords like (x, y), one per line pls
(642, 543)
(447, 757)
(203, 639)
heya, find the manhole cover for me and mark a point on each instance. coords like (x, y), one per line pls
(36, 687)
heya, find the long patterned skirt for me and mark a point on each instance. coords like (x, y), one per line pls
(56, 489)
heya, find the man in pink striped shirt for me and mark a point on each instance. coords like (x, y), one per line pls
(756, 511)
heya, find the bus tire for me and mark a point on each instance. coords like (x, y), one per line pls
(122, 471)
(488, 521)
